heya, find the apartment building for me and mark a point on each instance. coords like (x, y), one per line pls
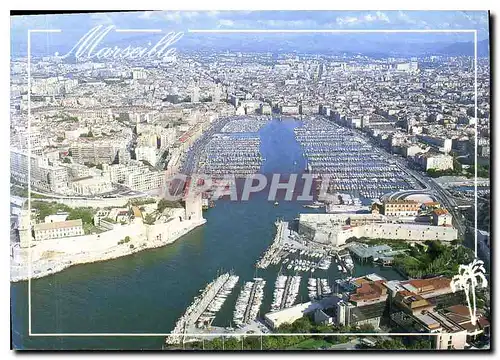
(44, 174)
(99, 152)
(431, 160)
(441, 143)
(441, 217)
(401, 208)
(145, 181)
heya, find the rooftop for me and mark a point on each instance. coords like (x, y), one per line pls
(401, 202)
(441, 212)
(365, 251)
(58, 225)
(420, 286)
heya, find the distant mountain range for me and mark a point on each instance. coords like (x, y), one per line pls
(377, 46)
(467, 49)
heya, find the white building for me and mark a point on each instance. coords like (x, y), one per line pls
(145, 181)
(147, 153)
(265, 109)
(289, 315)
(56, 217)
(435, 161)
(92, 185)
(138, 74)
(195, 94)
(441, 217)
(44, 175)
(336, 229)
(55, 230)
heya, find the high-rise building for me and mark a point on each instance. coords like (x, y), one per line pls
(138, 74)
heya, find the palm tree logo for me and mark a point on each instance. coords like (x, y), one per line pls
(467, 280)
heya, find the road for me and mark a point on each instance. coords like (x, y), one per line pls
(192, 156)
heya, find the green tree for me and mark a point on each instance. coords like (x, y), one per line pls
(393, 344)
(86, 214)
(163, 204)
(149, 219)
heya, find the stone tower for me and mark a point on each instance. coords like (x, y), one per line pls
(193, 206)
(24, 229)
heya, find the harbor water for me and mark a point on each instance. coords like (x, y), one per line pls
(145, 293)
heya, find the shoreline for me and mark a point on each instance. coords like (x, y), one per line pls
(93, 258)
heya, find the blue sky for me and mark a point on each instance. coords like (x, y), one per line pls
(184, 20)
(75, 25)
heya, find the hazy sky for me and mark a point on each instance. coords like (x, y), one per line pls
(184, 20)
(74, 26)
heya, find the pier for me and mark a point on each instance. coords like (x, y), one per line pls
(286, 291)
(249, 302)
(273, 252)
(217, 291)
(318, 288)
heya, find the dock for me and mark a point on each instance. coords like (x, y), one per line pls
(272, 254)
(204, 307)
(249, 301)
(286, 291)
(318, 288)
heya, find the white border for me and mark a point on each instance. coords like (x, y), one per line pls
(30, 333)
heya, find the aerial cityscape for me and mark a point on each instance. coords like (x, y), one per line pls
(258, 180)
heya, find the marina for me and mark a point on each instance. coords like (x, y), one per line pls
(232, 147)
(294, 253)
(249, 302)
(318, 288)
(245, 125)
(235, 236)
(231, 154)
(345, 261)
(306, 265)
(349, 161)
(204, 307)
(285, 292)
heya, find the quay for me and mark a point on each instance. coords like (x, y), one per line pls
(200, 304)
(249, 301)
(285, 292)
(274, 250)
